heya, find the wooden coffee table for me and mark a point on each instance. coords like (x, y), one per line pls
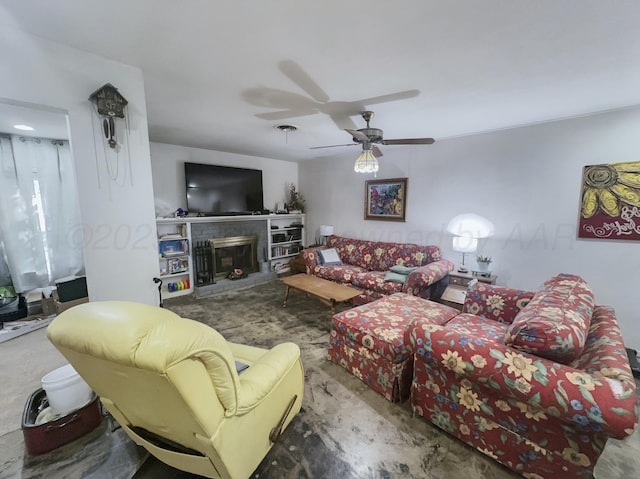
(328, 292)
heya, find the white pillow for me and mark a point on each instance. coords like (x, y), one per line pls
(329, 257)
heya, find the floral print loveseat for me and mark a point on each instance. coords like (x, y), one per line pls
(536, 380)
(365, 264)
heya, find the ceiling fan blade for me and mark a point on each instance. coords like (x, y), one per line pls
(285, 114)
(343, 122)
(401, 95)
(301, 78)
(376, 152)
(358, 135)
(409, 141)
(330, 146)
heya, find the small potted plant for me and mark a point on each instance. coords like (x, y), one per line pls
(296, 200)
(483, 263)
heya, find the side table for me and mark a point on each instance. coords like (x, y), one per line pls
(298, 265)
(456, 292)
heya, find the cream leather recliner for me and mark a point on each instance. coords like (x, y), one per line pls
(172, 384)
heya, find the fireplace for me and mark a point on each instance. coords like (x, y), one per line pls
(233, 252)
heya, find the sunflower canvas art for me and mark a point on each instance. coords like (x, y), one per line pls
(610, 206)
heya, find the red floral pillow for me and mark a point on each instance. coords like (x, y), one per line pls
(555, 323)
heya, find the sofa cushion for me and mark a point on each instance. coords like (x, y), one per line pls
(343, 273)
(555, 323)
(376, 281)
(479, 328)
(381, 256)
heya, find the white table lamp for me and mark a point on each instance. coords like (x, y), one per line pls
(467, 228)
(325, 230)
(464, 245)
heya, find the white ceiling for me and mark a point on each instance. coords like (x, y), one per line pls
(222, 74)
(45, 123)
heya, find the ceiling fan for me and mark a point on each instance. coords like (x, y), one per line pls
(368, 137)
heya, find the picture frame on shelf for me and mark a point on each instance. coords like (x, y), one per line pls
(386, 200)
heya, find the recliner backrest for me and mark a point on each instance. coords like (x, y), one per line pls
(168, 375)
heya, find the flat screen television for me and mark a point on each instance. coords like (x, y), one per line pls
(223, 190)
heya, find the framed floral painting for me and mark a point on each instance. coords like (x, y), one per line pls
(610, 204)
(386, 199)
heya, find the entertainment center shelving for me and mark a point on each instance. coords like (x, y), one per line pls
(285, 239)
(174, 256)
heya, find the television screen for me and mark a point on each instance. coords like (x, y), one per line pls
(223, 190)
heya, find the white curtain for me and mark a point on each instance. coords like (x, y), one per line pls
(39, 212)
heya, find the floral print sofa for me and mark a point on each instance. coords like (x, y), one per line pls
(536, 380)
(365, 264)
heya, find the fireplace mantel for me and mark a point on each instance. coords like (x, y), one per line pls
(227, 219)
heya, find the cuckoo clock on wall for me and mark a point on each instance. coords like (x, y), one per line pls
(111, 136)
(109, 101)
(110, 104)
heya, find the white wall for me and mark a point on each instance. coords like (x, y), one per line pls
(525, 180)
(167, 163)
(118, 220)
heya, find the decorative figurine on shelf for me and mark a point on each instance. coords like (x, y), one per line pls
(296, 200)
(179, 213)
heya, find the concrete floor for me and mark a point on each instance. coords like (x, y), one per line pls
(344, 430)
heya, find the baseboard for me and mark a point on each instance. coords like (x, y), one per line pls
(18, 328)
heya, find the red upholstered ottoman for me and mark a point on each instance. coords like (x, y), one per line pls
(372, 340)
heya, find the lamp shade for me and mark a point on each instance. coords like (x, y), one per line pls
(366, 163)
(465, 244)
(470, 225)
(326, 230)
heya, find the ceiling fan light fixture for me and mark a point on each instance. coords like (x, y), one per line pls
(366, 162)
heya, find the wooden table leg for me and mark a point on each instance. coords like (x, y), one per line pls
(333, 306)
(286, 296)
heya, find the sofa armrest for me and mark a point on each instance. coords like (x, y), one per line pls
(421, 279)
(573, 396)
(310, 257)
(495, 302)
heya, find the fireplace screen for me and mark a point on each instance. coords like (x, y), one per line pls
(233, 252)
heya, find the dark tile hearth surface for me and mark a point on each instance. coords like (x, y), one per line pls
(344, 431)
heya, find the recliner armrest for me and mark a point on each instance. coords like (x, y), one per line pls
(265, 373)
